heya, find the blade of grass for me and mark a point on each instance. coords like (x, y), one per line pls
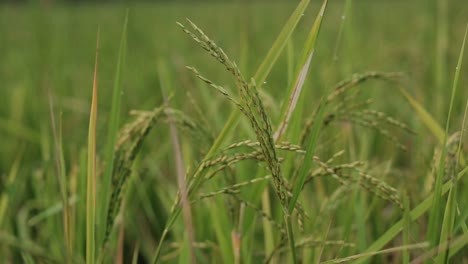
(462, 217)
(268, 233)
(80, 215)
(441, 52)
(135, 253)
(428, 120)
(24, 232)
(458, 244)
(312, 140)
(346, 12)
(29, 247)
(61, 177)
(303, 69)
(450, 207)
(292, 244)
(50, 211)
(434, 231)
(6, 195)
(119, 256)
(380, 252)
(406, 228)
(180, 167)
(425, 117)
(91, 169)
(112, 132)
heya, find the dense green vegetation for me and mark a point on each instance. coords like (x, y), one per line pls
(381, 98)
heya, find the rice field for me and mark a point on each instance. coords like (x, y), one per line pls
(237, 132)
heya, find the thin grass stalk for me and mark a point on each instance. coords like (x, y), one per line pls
(135, 253)
(303, 69)
(112, 133)
(268, 233)
(24, 233)
(441, 52)
(346, 12)
(450, 207)
(380, 252)
(12, 174)
(462, 218)
(406, 228)
(62, 179)
(119, 256)
(180, 167)
(430, 255)
(458, 244)
(290, 232)
(435, 225)
(322, 247)
(91, 177)
(81, 216)
(425, 117)
(30, 247)
(310, 147)
(315, 131)
(317, 243)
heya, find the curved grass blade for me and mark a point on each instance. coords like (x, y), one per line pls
(61, 176)
(296, 87)
(30, 247)
(112, 132)
(315, 131)
(425, 117)
(379, 252)
(180, 167)
(450, 207)
(91, 169)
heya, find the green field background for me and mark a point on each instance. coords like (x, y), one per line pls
(50, 50)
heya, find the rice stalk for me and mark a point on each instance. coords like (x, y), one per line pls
(231, 189)
(448, 220)
(111, 136)
(251, 105)
(127, 147)
(360, 78)
(346, 110)
(260, 76)
(450, 161)
(365, 180)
